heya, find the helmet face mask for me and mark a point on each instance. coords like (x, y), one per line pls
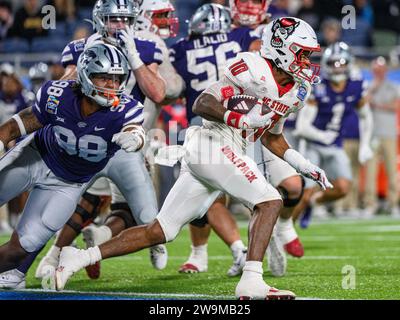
(249, 12)
(210, 18)
(112, 16)
(337, 62)
(158, 16)
(289, 43)
(99, 65)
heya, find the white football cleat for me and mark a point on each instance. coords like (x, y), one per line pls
(71, 260)
(239, 260)
(257, 289)
(12, 279)
(47, 262)
(276, 256)
(159, 256)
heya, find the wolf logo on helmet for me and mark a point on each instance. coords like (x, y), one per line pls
(282, 29)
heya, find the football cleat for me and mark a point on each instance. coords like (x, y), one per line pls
(159, 256)
(257, 289)
(46, 262)
(239, 260)
(71, 261)
(274, 294)
(12, 279)
(276, 256)
(94, 236)
(295, 248)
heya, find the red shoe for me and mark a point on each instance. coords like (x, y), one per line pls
(93, 271)
(295, 248)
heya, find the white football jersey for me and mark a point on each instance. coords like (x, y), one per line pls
(251, 74)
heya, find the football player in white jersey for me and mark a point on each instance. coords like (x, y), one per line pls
(214, 159)
(252, 14)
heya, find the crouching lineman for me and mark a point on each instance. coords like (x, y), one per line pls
(220, 138)
(66, 151)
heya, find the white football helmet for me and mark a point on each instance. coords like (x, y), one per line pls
(337, 62)
(250, 12)
(289, 42)
(158, 16)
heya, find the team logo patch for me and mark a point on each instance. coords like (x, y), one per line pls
(282, 29)
(79, 46)
(52, 105)
(302, 93)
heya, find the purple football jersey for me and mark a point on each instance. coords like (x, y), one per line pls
(201, 60)
(336, 110)
(74, 147)
(148, 50)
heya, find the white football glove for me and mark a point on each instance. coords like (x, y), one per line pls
(1, 147)
(130, 141)
(254, 119)
(306, 168)
(364, 153)
(129, 47)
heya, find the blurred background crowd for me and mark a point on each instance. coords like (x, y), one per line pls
(30, 54)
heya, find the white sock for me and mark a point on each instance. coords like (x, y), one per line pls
(252, 269)
(54, 252)
(237, 245)
(94, 255)
(199, 250)
(285, 230)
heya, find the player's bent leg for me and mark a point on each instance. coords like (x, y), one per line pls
(128, 241)
(291, 190)
(251, 284)
(12, 253)
(85, 212)
(187, 200)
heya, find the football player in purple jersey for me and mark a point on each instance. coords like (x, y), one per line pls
(73, 130)
(133, 196)
(321, 124)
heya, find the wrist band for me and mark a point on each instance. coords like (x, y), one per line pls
(233, 119)
(20, 124)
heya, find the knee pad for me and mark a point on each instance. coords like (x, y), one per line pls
(34, 241)
(290, 203)
(87, 217)
(122, 211)
(201, 222)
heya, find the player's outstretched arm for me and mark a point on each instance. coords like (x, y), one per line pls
(20, 124)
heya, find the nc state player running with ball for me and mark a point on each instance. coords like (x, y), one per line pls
(283, 85)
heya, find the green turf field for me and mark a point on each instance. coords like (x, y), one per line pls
(371, 247)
